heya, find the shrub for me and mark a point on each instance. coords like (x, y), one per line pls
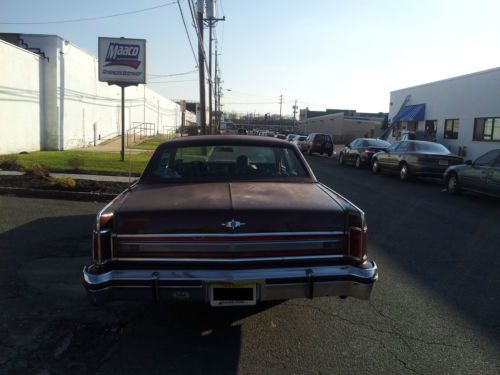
(62, 182)
(36, 170)
(76, 162)
(9, 162)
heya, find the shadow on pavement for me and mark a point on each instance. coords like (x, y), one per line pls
(449, 243)
(181, 338)
(48, 323)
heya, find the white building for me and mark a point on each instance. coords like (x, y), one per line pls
(52, 99)
(341, 128)
(462, 113)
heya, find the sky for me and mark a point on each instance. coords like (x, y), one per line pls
(345, 54)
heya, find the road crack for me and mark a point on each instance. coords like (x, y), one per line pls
(394, 331)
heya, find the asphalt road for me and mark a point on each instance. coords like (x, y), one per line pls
(435, 309)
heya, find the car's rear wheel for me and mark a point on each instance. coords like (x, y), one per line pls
(404, 173)
(341, 159)
(452, 185)
(375, 167)
(358, 162)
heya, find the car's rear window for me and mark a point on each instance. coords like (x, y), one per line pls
(375, 143)
(322, 138)
(434, 148)
(225, 162)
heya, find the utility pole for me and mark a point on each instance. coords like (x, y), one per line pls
(281, 104)
(210, 16)
(216, 92)
(294, 113)
(211, 21)
(201, 66)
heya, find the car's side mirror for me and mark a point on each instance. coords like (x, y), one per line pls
(468, 162)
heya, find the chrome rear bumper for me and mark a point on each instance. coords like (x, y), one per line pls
(193, 285)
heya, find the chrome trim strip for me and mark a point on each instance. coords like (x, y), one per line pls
(231, 260)
(230, 234)
(232, 275)
(223, 247)
(255, 243)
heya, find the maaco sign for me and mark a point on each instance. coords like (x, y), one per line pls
(122, 61)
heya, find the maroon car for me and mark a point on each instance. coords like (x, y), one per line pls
(211, 220)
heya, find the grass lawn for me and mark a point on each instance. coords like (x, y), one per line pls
(150, 143)
(59, 161)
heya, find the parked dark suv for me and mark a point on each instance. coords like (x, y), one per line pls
(317, 142)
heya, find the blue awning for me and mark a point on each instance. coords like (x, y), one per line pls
(414, 112)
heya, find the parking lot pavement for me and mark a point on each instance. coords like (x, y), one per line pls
(434, 310)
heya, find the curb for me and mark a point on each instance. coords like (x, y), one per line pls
(58, 194)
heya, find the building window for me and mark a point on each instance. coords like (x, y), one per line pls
(396, 129)
(451, 128)
(430, 130)
(487, 129)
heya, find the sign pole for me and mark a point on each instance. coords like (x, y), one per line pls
(123, 124)
(122, 62)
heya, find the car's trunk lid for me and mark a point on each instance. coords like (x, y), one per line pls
(229, 220)
(205, 207)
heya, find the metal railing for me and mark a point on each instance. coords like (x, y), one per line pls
(139, 131)
(107, 137)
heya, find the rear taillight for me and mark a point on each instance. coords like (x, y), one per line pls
(357, 228)
(102, 245)
(102, 237)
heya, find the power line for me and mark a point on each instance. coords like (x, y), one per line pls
(241, 93)
(154, 76)
(192, 7)
(222, 36)
(187, 33)
(251, 103)
(174, 81)
(90, 18)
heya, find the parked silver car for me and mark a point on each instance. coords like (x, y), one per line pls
(481, 176)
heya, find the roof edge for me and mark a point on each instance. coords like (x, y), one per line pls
(450, 79)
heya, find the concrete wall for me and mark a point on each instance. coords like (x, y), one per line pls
(341, 129)
(353, 129)
(51, 133)
(89, 108)
(148, 106)
(465, 97)
(76, 109)
(19, 99)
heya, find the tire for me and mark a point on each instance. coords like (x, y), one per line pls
(341, 159)
(375, 167)
(358, 162)
(452, 185)
(404, 172)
